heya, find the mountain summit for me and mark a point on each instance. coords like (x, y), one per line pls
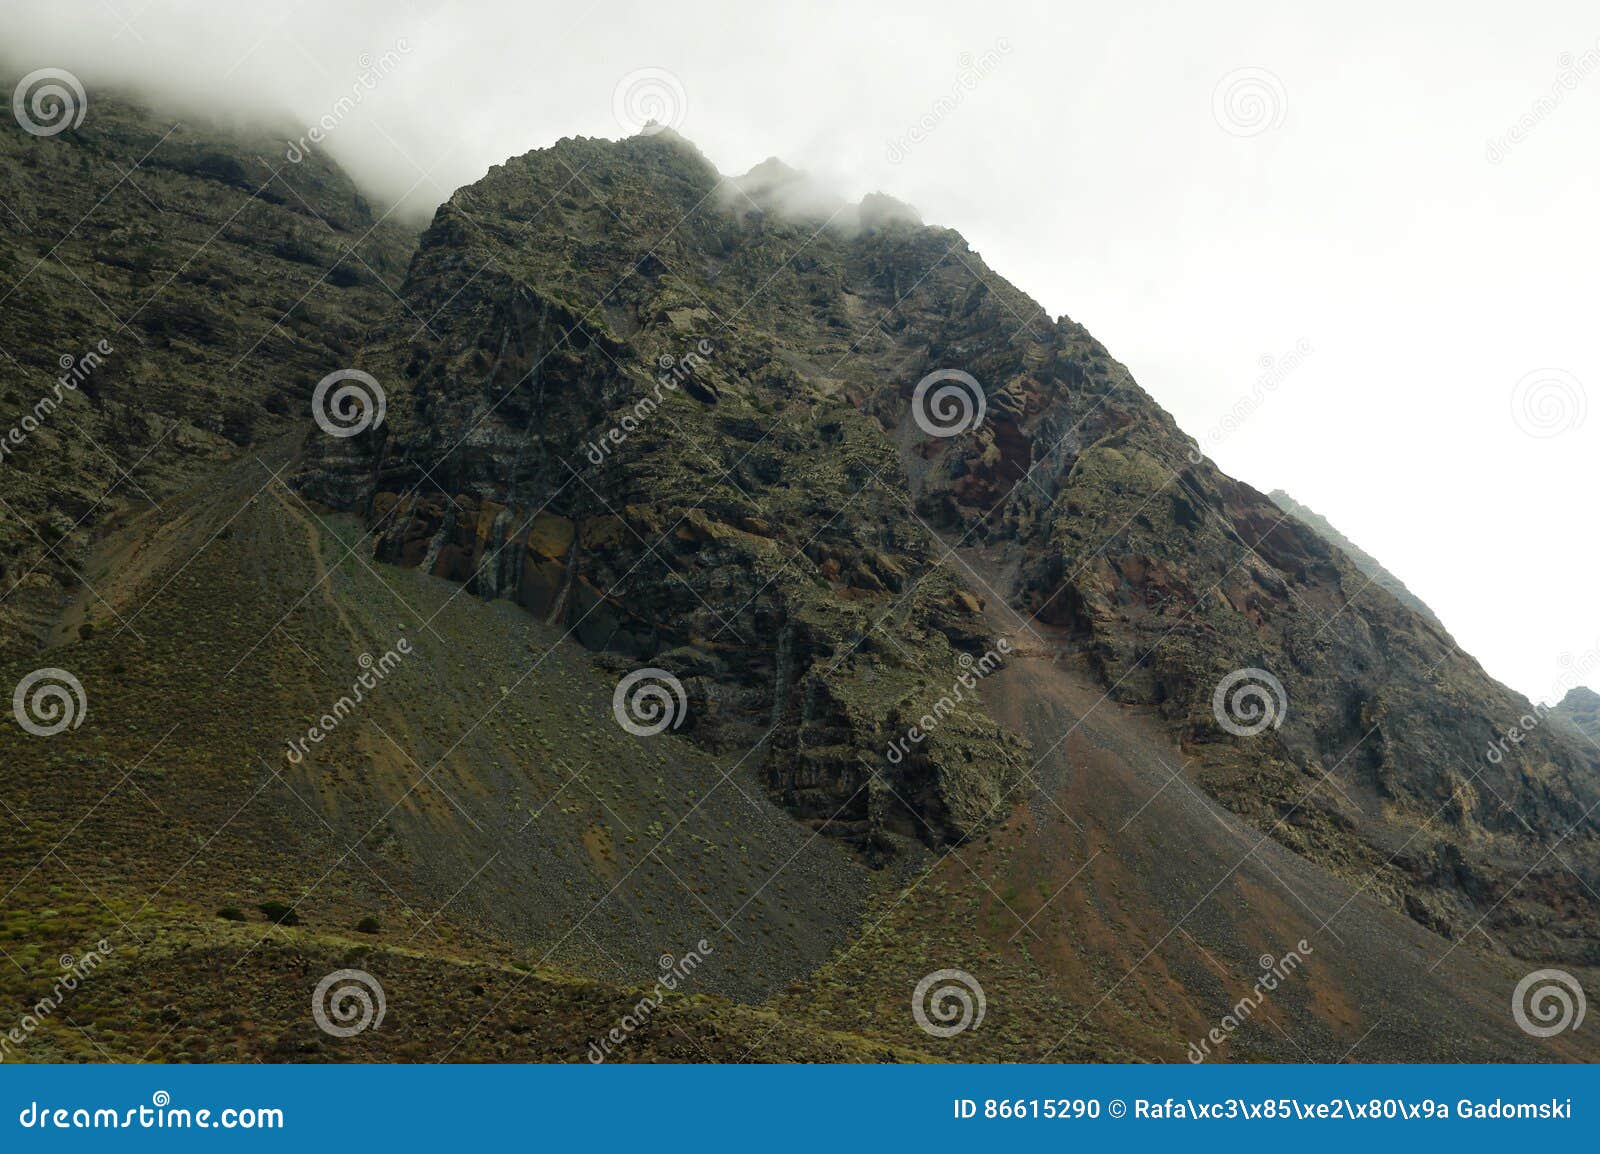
(677, 567)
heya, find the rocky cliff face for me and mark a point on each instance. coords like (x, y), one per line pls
(168, 294)
(798, 457)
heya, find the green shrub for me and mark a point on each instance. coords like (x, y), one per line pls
(278, 912)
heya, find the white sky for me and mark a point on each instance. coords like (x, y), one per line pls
(1088, 167)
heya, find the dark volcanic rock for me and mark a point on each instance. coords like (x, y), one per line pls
(674, 415)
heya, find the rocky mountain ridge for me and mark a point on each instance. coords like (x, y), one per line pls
(779, 528)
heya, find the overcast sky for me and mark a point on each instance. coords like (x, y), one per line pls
(1203, 186)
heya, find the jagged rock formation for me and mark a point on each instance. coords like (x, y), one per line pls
(658, 410)
(1364, 561)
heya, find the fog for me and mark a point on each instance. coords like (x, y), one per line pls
(1352, 251)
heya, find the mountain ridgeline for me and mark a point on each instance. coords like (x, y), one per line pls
(984, 668)
(779, 528)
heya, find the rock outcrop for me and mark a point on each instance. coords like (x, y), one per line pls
(793, 456)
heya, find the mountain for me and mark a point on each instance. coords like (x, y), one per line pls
(782, 535)
(166, 285)
(1581, 708)
(1362, 560)
(683, 630)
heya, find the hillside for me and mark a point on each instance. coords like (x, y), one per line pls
(947, 701)
(1359, 557)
